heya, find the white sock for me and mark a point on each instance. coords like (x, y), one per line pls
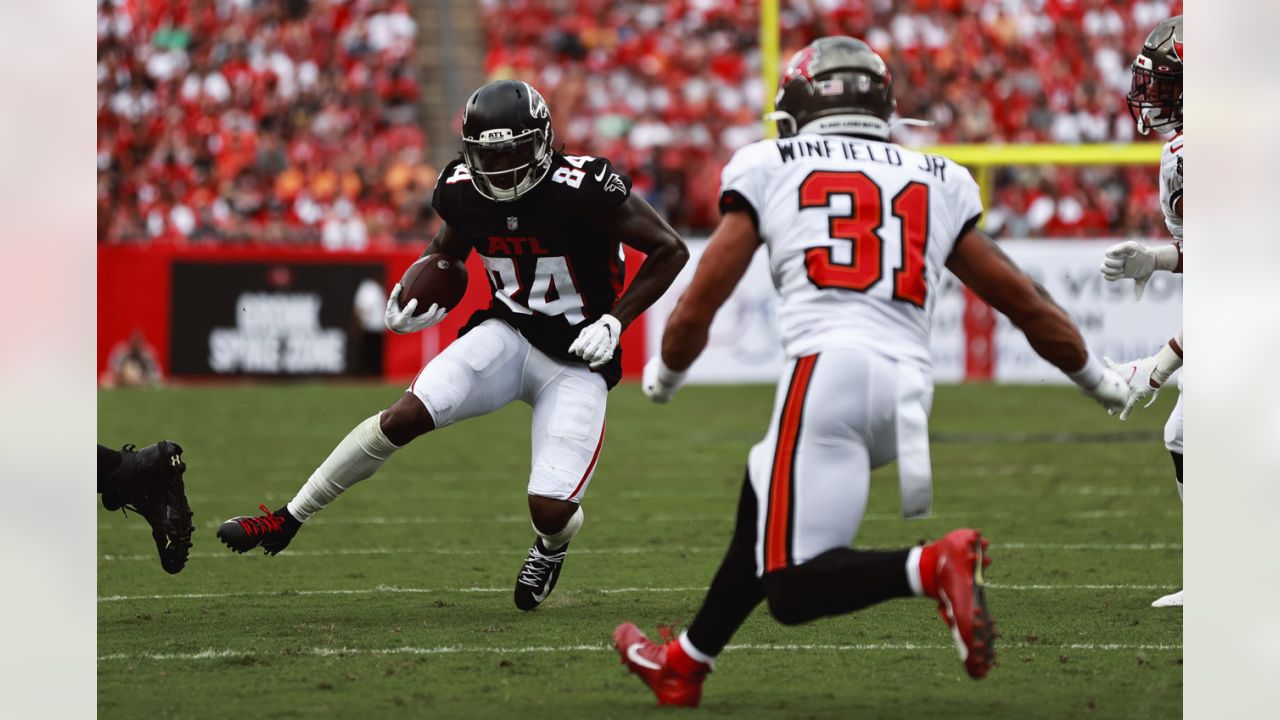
(555, 541)
(358, 456)
(694, 652)
(1180, 492)
(913, 571)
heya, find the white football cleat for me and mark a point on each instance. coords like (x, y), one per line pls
(1174, 600)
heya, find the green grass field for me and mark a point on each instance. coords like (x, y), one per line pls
(396, 600)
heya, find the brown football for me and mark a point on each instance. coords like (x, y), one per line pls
(438, 278)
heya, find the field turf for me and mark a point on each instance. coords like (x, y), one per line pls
(396, 600)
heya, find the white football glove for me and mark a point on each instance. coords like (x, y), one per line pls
(597, 341)
(403, 321)
(660, 382)
(1111, 392)
(1130, 259)
(1137, 375)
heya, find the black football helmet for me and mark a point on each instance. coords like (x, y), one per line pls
(835, 84)
(506, 139)
(1155, 98)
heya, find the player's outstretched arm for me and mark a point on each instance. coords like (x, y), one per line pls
(638, 225)
(983, 266)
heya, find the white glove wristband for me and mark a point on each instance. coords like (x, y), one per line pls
(1167, 361)
(1089, 376)
(1166, 257)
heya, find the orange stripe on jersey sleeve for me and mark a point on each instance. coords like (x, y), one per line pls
(777, 534)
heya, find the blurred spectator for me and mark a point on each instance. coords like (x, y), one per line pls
(132, 364)
(669, 89)
(296, 121)
(254, 120)
(344, 230)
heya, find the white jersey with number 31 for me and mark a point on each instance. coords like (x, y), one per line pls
(858, 232)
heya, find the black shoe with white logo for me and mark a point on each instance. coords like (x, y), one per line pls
(149, 483)
(270, 530)
(538, 576)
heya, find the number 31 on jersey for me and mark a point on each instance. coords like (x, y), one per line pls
(860, 228)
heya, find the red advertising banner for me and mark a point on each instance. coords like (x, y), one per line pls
(227, 298)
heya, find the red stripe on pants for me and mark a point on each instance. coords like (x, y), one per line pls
(590, 467)
(778, 525)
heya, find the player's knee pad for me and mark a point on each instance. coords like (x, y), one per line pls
(442, 387)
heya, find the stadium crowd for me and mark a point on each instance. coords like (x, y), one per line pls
(669, 89)
(240, 121)
(296, 121)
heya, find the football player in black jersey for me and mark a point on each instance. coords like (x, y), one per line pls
(549, 229)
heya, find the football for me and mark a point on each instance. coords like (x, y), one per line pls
(436, 278)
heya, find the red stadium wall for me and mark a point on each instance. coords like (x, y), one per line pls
(136, 291)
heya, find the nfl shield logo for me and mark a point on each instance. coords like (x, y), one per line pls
(512, 222)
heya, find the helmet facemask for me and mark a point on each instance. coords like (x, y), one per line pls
(505, 166)
(1155, 99)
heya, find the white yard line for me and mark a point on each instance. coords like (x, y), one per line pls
(397, 590)
(214, 654)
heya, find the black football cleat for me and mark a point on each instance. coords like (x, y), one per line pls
(270, 530)
(149, 482)
(539, 575)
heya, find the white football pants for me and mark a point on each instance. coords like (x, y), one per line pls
(1173, 428)
(834, 419)
(493, 365)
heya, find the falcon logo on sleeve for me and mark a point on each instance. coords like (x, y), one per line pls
(615, 183)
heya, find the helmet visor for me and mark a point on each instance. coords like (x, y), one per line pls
(506, 167)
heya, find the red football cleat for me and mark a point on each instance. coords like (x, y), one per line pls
(674, 677)
(961, 557)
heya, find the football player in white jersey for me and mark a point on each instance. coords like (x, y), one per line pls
(1155, 101)
(858, 230)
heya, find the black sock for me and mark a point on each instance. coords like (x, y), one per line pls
(290, 521)
(736, 590)
(836, 582)
(108, 461)
(1177, 464)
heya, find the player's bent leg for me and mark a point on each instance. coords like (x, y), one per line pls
(1173, 442)
(475, 375)
(836, 582)
(406, 419)
(567, 436)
